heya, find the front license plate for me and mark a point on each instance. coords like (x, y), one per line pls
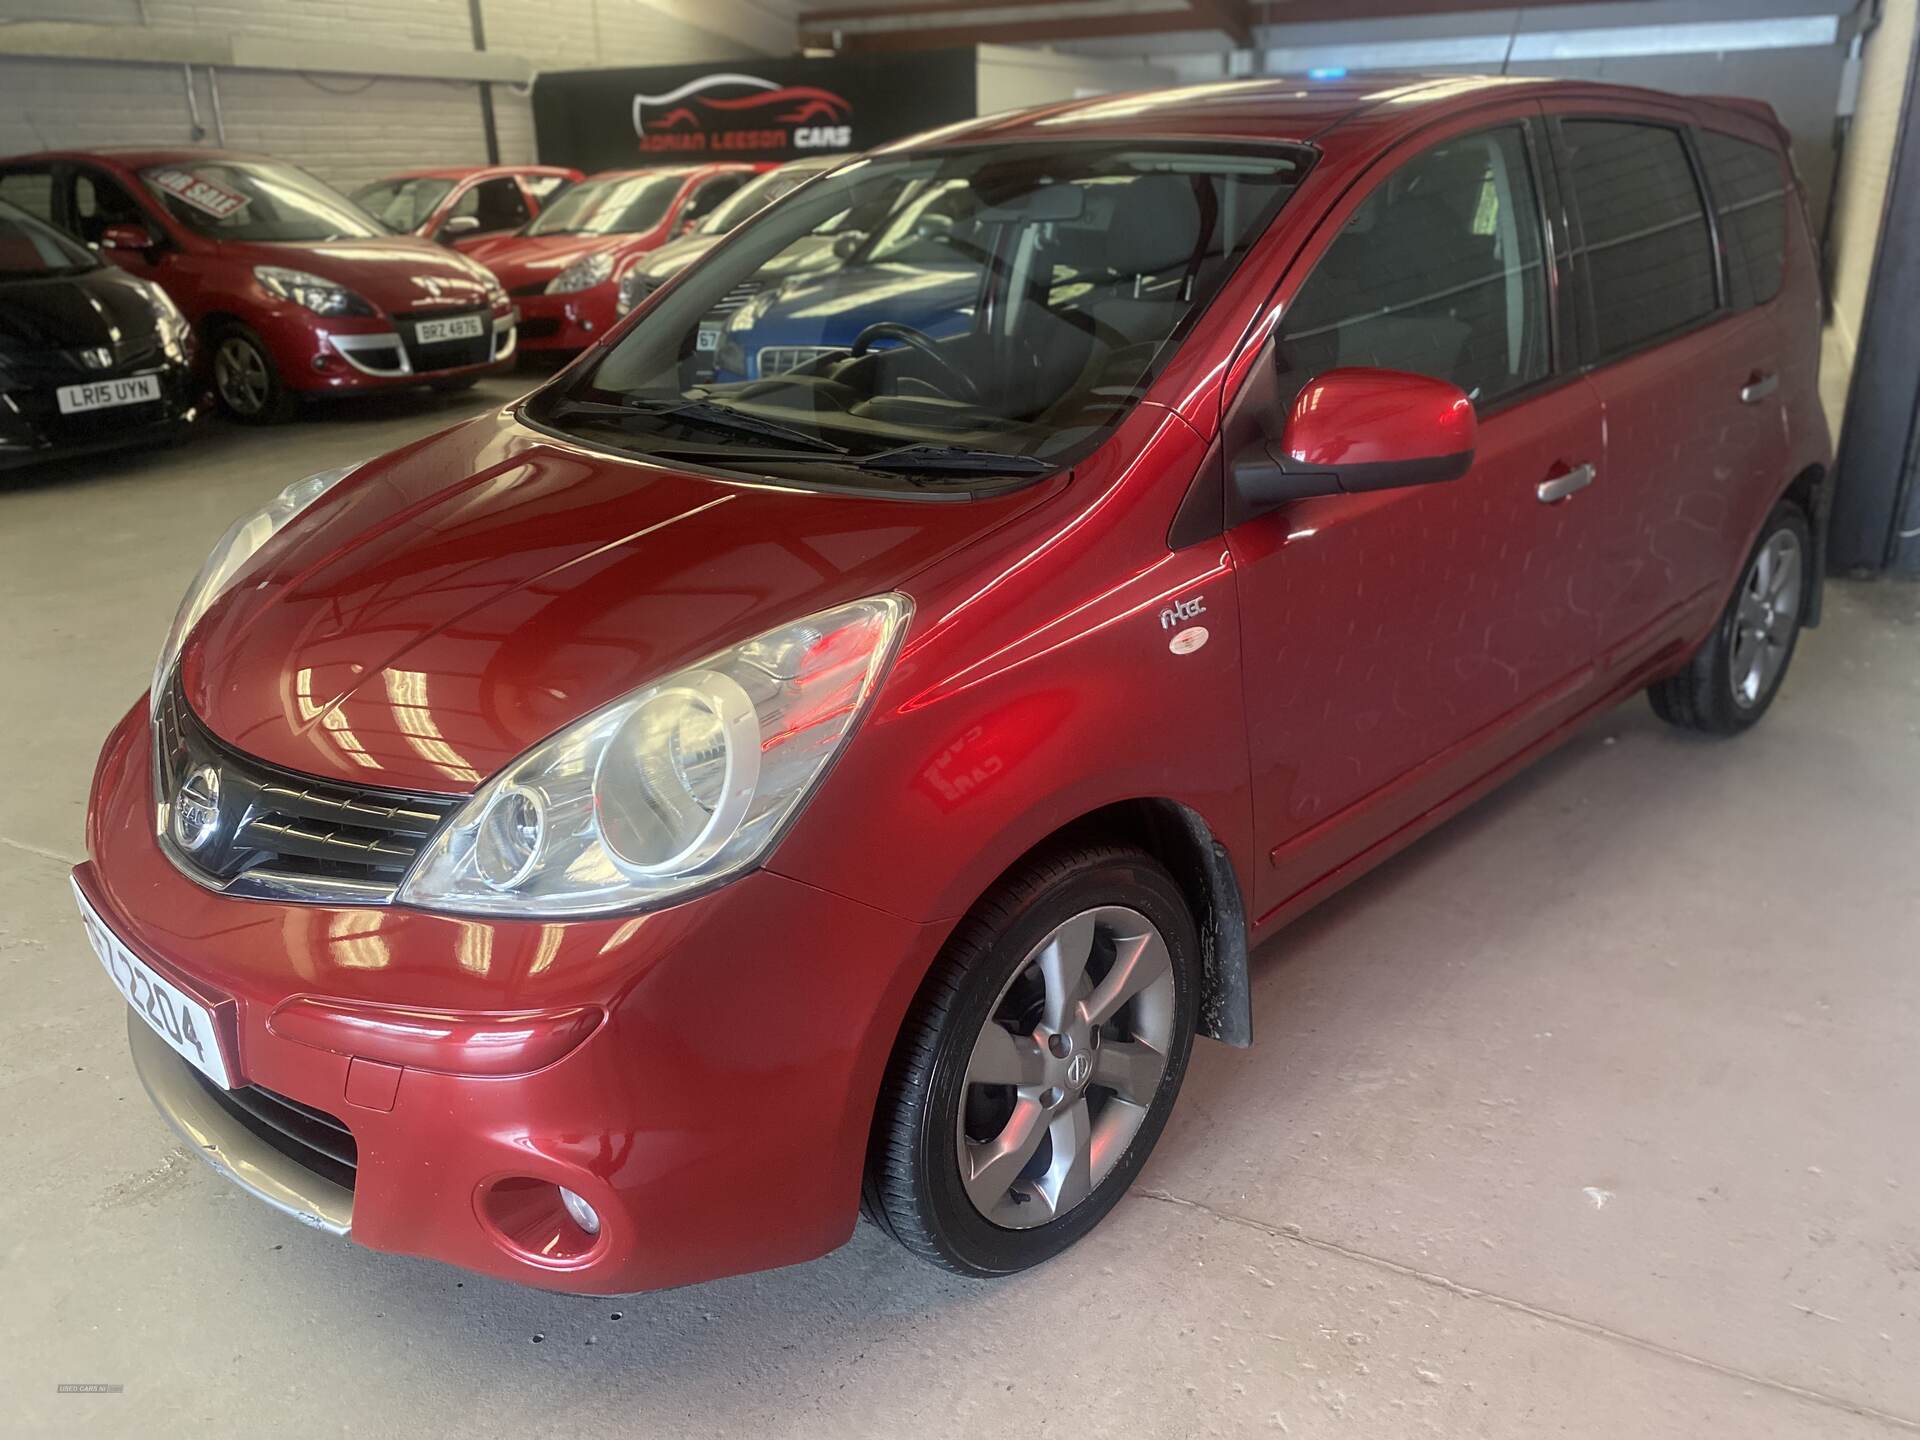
(460, 327)
(105, 394)
(177, 1018)
(708, 338)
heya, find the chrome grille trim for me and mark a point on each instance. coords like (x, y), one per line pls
(285, 836)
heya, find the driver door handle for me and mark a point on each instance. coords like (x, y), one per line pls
(1558, 488)
(1759, 387)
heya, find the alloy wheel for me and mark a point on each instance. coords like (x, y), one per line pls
(1766, 618)
(240, 374)
(1066, 1067)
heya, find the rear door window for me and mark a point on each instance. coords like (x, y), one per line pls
(1439, 272)
(1749, 184)
(1645, 244)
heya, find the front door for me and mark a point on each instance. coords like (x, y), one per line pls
(1394, 642)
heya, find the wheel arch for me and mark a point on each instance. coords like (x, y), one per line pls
(1811, 492)
(1179, 838)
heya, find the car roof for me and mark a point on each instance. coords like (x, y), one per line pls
(138, 157)
(465, 172)
(1276, 109)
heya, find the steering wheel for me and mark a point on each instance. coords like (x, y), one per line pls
(963, 387)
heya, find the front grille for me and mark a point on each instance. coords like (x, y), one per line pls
(274, 834)
(779, 359)
(446, 354)
(306, 1136)
(739, 295)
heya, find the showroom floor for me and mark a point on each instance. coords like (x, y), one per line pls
(1594, 1113)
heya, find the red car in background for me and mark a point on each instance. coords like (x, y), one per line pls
(460, 205)
(612, 842)
(293, 290)
(563, 268)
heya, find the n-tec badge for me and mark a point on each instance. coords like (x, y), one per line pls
(196, 809)
(1182, 611)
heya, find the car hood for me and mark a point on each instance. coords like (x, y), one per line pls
(395, 273)
(532, 260)
(98, 309)
(460, 600)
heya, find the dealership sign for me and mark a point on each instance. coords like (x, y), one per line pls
(771, 110)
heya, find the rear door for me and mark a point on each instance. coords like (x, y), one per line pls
(1398, 644)
(1680, 375)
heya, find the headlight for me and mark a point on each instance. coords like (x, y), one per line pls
(168, 322)
(583, 274)
(239, 545)
(672, 788)
(323, 297)
(635, 286)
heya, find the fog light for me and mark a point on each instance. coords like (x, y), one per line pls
(584, 1215)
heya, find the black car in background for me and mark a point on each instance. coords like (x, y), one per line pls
(91, 358)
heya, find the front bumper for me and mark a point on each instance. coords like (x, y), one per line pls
(32, 427)
(315, 355)
(715, 1115)
(555, 323)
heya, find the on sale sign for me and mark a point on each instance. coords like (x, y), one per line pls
(205, 195)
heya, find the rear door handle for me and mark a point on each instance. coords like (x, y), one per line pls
(1551, 492)
(1758, 388)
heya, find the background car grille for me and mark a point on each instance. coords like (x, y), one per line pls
(445, 354)
(778, 359)
(306, 1136)
(739, 295)
(286, 836)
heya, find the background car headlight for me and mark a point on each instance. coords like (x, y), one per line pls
(583, 274)
(635, 286)
(168, 322)
(239, 545)
(321, 296)
(670, 789)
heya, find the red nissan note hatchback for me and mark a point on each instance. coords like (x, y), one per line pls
(612, 842)
(293, 290)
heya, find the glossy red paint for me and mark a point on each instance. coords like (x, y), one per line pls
(1358, 416)
(527, 264)
(704, 1074)
(213, 281)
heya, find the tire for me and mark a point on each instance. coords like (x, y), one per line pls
(1729, 684)
(245, 380)
(1092, 910)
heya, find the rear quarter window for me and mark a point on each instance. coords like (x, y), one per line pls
(1645, 243)
(1749, 184)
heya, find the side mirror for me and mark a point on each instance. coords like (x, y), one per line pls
(1355, 430)
(126, 237)
(458, 225)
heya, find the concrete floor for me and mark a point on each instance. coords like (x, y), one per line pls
(1595, 1114)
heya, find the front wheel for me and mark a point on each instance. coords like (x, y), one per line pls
(1731, 681)
(1039, 1064)
(244, 377)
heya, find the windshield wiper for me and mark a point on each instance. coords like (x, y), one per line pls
(708, 414)
(960, 459)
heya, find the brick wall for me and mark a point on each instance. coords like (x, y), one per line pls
(347, 129)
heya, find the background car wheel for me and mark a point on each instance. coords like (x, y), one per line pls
(245, 380)
(1733, 678)
(1039, 1063)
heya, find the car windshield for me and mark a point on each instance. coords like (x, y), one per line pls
(756, 195)
(33, 247)
(257, 200)
(981, 314)
(617, 205)
(403, 205)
